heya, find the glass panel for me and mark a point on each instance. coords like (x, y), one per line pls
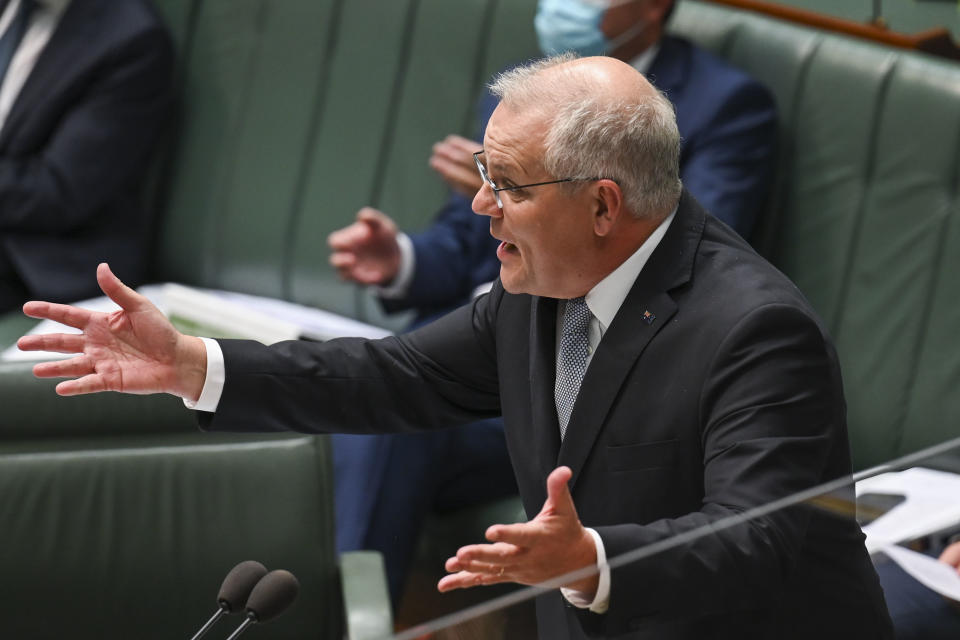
(910, 511)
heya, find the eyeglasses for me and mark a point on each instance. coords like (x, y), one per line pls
(496, 190)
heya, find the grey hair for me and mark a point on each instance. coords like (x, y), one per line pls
(635, 143)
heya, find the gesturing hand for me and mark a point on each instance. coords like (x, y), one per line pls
(452, 158)
(550, 545)
(133, 350)
(366, 251)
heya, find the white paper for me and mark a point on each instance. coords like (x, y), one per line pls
(932, 504)
(312, 323)
(928, 571)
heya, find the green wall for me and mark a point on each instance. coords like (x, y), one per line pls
(906, 16)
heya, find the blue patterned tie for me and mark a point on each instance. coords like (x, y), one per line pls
(10, 39)
(571, 359)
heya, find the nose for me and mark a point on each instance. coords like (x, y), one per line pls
(485, 202)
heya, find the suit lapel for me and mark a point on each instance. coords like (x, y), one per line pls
(543, 363)
(630, 332)
(75, 34)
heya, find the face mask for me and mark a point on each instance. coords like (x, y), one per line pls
(574, 25)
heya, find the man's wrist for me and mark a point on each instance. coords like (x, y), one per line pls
(400, 283)
(190, 368)
(586, 551)
(596, 596)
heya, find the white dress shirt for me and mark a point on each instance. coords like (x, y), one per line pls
(43, 21)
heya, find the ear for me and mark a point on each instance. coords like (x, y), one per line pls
(609, 207)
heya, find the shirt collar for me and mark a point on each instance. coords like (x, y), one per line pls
(643, 61)
(606, 297)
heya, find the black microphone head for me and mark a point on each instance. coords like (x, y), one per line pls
(238, 584)
(274, 593)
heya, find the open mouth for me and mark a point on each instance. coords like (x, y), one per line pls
(507, 249)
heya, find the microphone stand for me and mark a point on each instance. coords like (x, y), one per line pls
(213, 619)
(250, 621)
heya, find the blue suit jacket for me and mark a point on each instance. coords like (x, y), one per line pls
(76, 145)
(727, 122)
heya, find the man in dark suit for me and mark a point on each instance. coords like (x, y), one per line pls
(655, 375)
(727, 122)
(88, 89)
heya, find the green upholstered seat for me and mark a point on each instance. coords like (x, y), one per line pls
(864, 214)
(132, 539)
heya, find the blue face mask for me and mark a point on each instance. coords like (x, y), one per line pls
(574, 25)
(570, 25)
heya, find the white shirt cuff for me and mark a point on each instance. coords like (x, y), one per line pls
(401, 283)
(601, 601)
(213, 384)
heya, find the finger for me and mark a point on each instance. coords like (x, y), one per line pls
(458, 148)
(58, 342)
(467, 579)
(65, 314)
(464, 144)
(343, 260)
(72, 368)
(92, 383)
(127, 298)
(374, 219)
(479, 555)
(452, 564)
(465, 176)
(348, 238)
(454, 153)
(523, 535)
(559, 499)
(369, 275)
(951, 555)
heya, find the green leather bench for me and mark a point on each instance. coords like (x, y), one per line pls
(297, 113)
(864, 216)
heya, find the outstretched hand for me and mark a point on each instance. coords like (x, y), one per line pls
(133, 350)
(552, 544)
(367, 251)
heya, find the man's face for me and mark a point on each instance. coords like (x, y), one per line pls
(546, 231)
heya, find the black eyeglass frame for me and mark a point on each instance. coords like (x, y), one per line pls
(496, 190)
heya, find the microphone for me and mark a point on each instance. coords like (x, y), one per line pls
(234, 591)
(272, 595)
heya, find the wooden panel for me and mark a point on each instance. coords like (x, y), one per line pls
(936, 41)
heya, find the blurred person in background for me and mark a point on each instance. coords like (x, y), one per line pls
(86, 89)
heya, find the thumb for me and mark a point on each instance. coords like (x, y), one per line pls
(559, 499)
(127, 298)
(372, 218)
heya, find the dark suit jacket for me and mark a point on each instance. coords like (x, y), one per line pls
(75, 147)
(727, 396)
(728, 126)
